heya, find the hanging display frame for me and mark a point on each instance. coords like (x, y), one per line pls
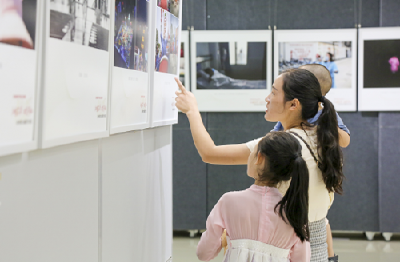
(343, 98)
(20, 91)
(130, 89)
(76, 81)
(378, 64)
(163, 85)
(249, 95)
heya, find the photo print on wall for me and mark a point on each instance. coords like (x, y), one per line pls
(131, 34)
(231, 65)
(381, 63)
(335, 56)
(84, 22)
(162, 60)
(171, 6)
(18, 22)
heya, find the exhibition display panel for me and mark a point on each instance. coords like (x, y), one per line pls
(20, 25)
(130, 80)
(166, 34)
(231, 70)
(335, 49)
(75, 98)
(378, 69)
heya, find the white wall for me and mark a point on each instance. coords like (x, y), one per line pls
(101, 200)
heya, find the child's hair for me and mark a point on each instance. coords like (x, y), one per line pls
(303, 85)
(283, 161)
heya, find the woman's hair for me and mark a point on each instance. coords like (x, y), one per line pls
(330, 56)
(283, 161)
(303, 85)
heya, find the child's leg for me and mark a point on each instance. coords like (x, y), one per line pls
(329, 240)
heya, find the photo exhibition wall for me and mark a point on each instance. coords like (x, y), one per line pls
(378, 69)
(19, 71)
(333, 49)
(90, 71)
(231, 70)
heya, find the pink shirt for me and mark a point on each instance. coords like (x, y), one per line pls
(249, 214)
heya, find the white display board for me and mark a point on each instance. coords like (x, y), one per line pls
(184, 66)
(294, 48)
(378, 69)
(131, 44)
(20, 22)
(75, 99)
(166, 35)
(231, 70)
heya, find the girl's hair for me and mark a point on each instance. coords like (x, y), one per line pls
(303, 85)
(283, 161)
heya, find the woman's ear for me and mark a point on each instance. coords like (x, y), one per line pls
(294, 104)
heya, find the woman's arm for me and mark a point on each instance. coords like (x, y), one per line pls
(209, 152)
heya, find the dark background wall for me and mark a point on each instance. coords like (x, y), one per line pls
(370, 200)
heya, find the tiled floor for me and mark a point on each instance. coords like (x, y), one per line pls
(350, 249)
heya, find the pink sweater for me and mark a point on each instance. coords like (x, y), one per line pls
(249, 214)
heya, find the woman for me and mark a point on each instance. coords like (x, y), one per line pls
(294, 99)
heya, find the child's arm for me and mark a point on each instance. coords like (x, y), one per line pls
(300, 252)
(210, 243)
(344, 132)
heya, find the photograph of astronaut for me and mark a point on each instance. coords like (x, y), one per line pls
(381, 63)
(18, 22)
(335, 56)
(231, 65)
(84, 22)
(163, 44)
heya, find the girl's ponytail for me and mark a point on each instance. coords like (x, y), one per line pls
(294, 205)
(329, 151)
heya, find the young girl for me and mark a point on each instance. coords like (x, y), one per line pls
(261, 225)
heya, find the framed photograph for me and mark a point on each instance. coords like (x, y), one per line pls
(231, 70)
(130, 88)
(20, 45)
(378, 69)
(184, 67)
(75, 99)
(167, 33)
(334, 49)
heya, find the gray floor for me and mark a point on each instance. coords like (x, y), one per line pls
(350, 248)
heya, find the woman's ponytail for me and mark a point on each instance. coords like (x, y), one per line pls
(329, 151)
(294, 205)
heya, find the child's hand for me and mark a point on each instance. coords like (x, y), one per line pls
(224, 242)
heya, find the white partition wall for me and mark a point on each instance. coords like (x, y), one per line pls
(294, 48)
(137, 196)
(378, 69)
(231, 70)
(49, 204)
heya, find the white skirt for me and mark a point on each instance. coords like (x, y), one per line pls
(245, 250)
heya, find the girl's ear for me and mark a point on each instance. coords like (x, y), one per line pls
(260, 159)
